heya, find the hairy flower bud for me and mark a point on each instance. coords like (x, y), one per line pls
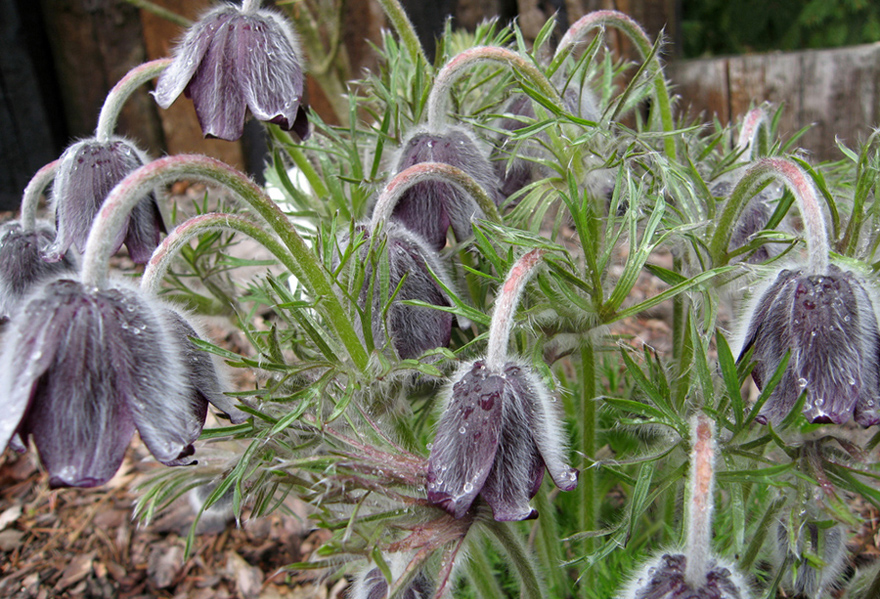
(430, 208)
(88, 170)
(371, 584)
(21, 262)
(809, 579)
(85, 369)
(498, 431)
(664, 578)
(827, 322)
(411, 329)
(232, 60)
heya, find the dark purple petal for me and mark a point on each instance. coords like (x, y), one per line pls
(430, 208)
(145, 228)
(269, 68)
(372, 585)
(468, 437)
(189, 54)
(22, 264)
(301, 123)
(204, 383)
(544, 423)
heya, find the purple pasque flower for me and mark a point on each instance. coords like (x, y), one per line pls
(828, 324)
(430, 208)
(87, 171)
(371, 584)
(21, 262)
(665, 578)
(498, 432)
(234, 59)
(412, 330)
(85, 368)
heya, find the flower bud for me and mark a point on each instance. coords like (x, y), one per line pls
(807, 578)
(664, 578)
(88, 170)
(430, 208)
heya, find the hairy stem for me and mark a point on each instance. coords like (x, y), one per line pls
(805, 197)
(184, 232)
(589, 506)
(752, 125)
(700, 502)
(519, 558)
(250, 5)
(430, 171)
(438, 100)
(505, 307)
(30, 200)
(600, 18)
(116, 208)
(120, 93)
(404, 28)
(161, 11)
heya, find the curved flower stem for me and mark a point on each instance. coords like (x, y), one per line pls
(404, 28)
(430, 171)
(531, 588)
(161, 11)
(804, 194)
(213, 221)
(123, 89)
(637, 35)
(116, 208)
(30, 200)
(505, 307)
(753, 122)
(438, 100)
(700, 488)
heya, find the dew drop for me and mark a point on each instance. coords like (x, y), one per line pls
(802, 382)
(468, 487)
(430, 446)
(462, 430)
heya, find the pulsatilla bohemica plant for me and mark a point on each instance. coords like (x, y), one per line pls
(234, 59)
(820, 314)
(499, 427)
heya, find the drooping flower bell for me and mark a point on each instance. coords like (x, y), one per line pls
(87, 171)
(695, 573)
(432, 207)
(86, 367)
(237, 58)
(21, 262)
(370, 583)
(820, 314)
(500, 427)
(827, 322)
(412, 330)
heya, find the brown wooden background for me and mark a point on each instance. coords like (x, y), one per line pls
(58, 59)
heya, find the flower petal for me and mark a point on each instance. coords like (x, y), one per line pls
(189, 54)
(22, 264)
(268, 65)
(144, 231)
(544, 424)
(467, 440)
(214, 90)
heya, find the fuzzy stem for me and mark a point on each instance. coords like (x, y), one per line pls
(438, 100)
(404, 28)
(519, 558)
(700, 488)
(751, 126)
(30, 200)
(184, 232)
(600, 18)
(430, 171)
(807, 202)
(587, 483)
(505, 307)
(123, 89)
(250, 5)
(116, 208)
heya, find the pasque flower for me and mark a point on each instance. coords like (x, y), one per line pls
(87, 171)
(234, 59)
(21, 261)
(499, 428)
(86, 367)
(820, 314)
(432, 207)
